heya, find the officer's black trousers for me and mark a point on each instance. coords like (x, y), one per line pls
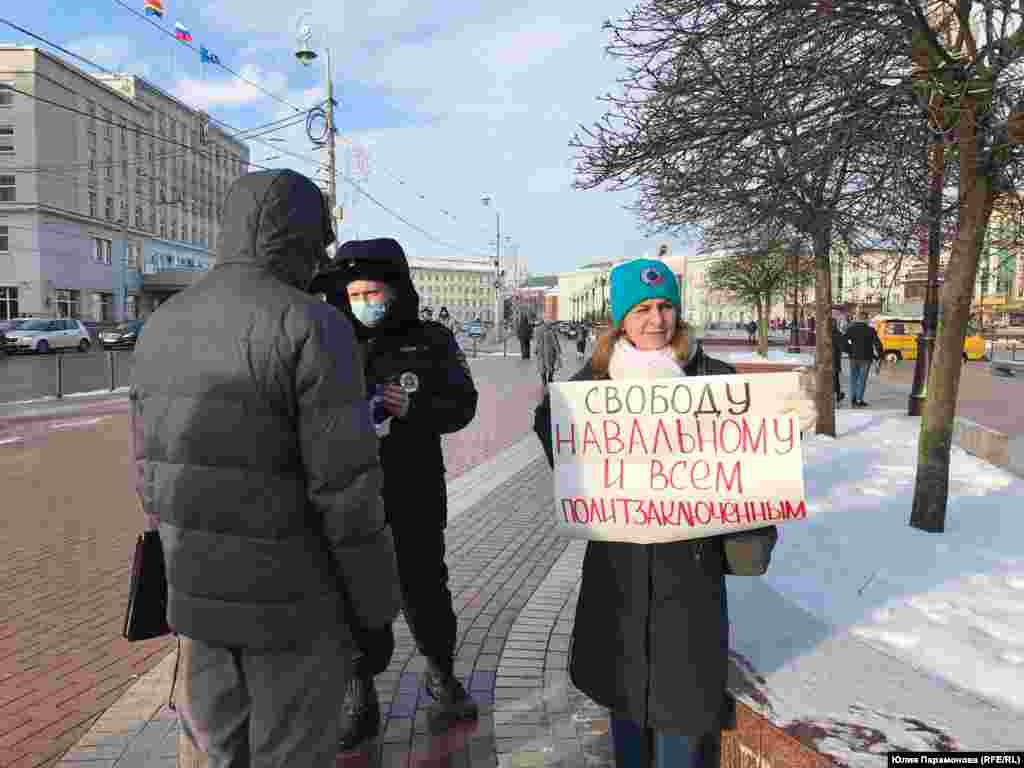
(524, 345)
(426, 600)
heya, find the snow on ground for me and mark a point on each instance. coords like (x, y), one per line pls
(69, 396)
(774, 356)
(945, 612)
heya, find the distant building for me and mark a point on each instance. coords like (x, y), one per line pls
(106, 210)
(464, 286)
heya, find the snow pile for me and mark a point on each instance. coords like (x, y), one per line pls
(774, 356)
(943, 613)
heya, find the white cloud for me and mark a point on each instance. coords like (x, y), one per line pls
(217, 91)
(487, 100)
(112, 52)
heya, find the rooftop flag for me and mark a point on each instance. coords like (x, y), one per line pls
(206, 56)
(181, 32)
(154, 8)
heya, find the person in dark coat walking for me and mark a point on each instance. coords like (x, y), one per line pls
(256, 458)
(583, 333)
(424, 382)
(864, 348)
(651, 636)
(525, 333)
(838, 347)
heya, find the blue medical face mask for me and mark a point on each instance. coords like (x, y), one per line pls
(370, 314)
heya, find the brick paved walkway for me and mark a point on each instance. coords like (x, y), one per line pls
(514, 587)
(66, 536)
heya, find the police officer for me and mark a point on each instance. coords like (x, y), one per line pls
(417, 371)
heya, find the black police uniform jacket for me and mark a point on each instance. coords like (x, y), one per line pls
(446, 398)
(651, 636)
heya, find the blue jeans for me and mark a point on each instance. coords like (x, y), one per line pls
(859, 370)
(637, 747)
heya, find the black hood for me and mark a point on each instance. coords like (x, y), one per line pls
(380, 259)
(277, 220)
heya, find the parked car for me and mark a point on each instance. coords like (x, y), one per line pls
(42, 336)
(898, 335)
(123, 336)
(473, 328)
(9, 325)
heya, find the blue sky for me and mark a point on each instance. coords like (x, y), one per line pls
(446, 101)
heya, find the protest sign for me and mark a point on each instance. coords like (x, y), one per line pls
(657, 460)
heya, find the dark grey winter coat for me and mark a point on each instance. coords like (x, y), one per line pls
(253, 440)
(651, 637)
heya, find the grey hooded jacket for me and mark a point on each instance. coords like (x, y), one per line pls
(253, 442)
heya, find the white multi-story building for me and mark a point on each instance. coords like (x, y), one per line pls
(465, 287)
(110, 190)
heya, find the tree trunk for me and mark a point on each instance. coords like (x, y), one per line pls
(931, 486)
(762, 326)
(824, 394)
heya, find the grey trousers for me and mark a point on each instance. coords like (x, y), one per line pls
(264, 709)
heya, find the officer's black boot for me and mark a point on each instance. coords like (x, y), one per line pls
(360, 713)
(451, 700)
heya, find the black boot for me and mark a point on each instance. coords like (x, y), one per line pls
(360, 713)
(451, 701)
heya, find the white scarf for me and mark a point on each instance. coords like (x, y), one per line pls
(628, 362)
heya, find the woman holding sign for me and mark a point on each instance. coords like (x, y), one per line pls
(651, 638)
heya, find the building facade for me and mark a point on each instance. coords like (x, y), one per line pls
(89, 189)
(464, 286)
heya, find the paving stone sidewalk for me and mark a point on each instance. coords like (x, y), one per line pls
(514, 588)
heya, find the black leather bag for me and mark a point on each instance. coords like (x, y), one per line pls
(146, 617)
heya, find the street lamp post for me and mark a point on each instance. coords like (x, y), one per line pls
(306, 55)
(486, 200)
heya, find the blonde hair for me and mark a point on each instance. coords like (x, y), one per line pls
(603, 347)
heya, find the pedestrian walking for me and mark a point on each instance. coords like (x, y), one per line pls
(525, 333)
(751, 331)
(651, 635)
(582, 333)
(864, 348)
(256, 459)
(549, 353)
(838, 346)
(425, 383)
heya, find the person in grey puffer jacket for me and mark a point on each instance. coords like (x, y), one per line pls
(257, 458)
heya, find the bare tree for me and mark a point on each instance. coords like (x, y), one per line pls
(755, 114)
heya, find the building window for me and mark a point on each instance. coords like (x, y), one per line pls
(108, 168)
(138, 216)
(131, 308)
(109, 209)
(5, 238)
(133, 256)
(67, 303)
(6, 139)
(6, 95)
(7, 189)
(124, 133)
(101, 251)
(102, 304)
(8, 303)
(92, 204)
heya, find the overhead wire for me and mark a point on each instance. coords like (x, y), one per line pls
(188, 148)
(167, 32)
(218, 62)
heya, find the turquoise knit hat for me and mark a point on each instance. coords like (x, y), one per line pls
(640, 280)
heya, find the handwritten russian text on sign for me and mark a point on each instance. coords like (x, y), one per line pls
(650, 461)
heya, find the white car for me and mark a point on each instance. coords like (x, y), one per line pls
(42, 336)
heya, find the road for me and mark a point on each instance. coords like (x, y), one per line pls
(67, 530)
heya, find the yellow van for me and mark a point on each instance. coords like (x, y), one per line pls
(899, 338)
